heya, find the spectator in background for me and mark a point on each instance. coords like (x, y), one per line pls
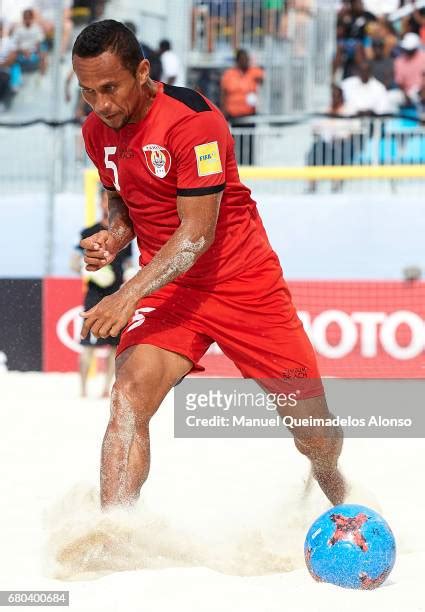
(239, 87)
(410, 66)
(385, 31)
(171, 67)
(239, 98)
(273, 10)
(274, 15)
(415, 22)
(381, 65)
(28, 38)
(9, 70)
(419, 99)
(336, 139)
(98, 286)
(295, 25)
(356, 20)
(83, 12)
(365, 95)
(212, 19)
(46, 15)
(354, 25)
(349, 53)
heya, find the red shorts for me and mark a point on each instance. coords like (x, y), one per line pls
(251, 317)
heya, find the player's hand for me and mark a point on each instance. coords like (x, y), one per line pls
(100, 249)
(110, 315)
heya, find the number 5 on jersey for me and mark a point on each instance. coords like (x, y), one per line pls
(112, 165)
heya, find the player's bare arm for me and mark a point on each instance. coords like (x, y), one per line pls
(194, 236)
(101, 248)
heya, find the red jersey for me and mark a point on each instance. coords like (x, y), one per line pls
(182, 147)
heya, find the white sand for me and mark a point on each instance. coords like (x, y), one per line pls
(220, 526)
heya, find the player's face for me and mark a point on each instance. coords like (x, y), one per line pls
(112, 91)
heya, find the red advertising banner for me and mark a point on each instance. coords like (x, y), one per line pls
(365, 329)
(62, 303)
(359, 329)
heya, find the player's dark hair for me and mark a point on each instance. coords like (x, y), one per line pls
(113, 36)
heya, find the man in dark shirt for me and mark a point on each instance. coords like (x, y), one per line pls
(100, 284)
(357, 20)
(382, 67)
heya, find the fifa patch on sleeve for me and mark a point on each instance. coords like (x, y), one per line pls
(208, 159)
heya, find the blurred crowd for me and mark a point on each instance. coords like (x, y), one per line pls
(380, 59)
(27, 30)
(378, 70)
(215, 22)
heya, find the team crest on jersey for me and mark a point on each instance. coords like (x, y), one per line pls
(158, 159)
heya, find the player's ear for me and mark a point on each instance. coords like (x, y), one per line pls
(142, 74)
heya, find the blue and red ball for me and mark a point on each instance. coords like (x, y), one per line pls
(351, 546)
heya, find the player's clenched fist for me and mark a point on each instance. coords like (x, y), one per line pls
(100, 249)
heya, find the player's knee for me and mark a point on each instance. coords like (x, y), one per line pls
(130, 399)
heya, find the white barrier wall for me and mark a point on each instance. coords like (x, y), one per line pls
(332, 236)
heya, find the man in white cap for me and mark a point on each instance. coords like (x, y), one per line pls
(410, 65)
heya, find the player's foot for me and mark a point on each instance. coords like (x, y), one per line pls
(332, 483)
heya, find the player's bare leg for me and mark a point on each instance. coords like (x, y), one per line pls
(86, 357)
(322, 445)
(110, 370)
(144, 376)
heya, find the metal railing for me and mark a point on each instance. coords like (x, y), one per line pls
(331, 141)
(319, 141)
(294, 45)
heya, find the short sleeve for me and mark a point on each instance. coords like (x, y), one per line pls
(104, 178)
(198, 146)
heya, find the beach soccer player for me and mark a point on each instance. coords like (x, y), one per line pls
(208, 273)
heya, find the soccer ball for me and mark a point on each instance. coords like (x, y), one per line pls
(351, 546)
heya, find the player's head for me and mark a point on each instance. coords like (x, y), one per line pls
(242, 59)
(28, 17)
(111, 70)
